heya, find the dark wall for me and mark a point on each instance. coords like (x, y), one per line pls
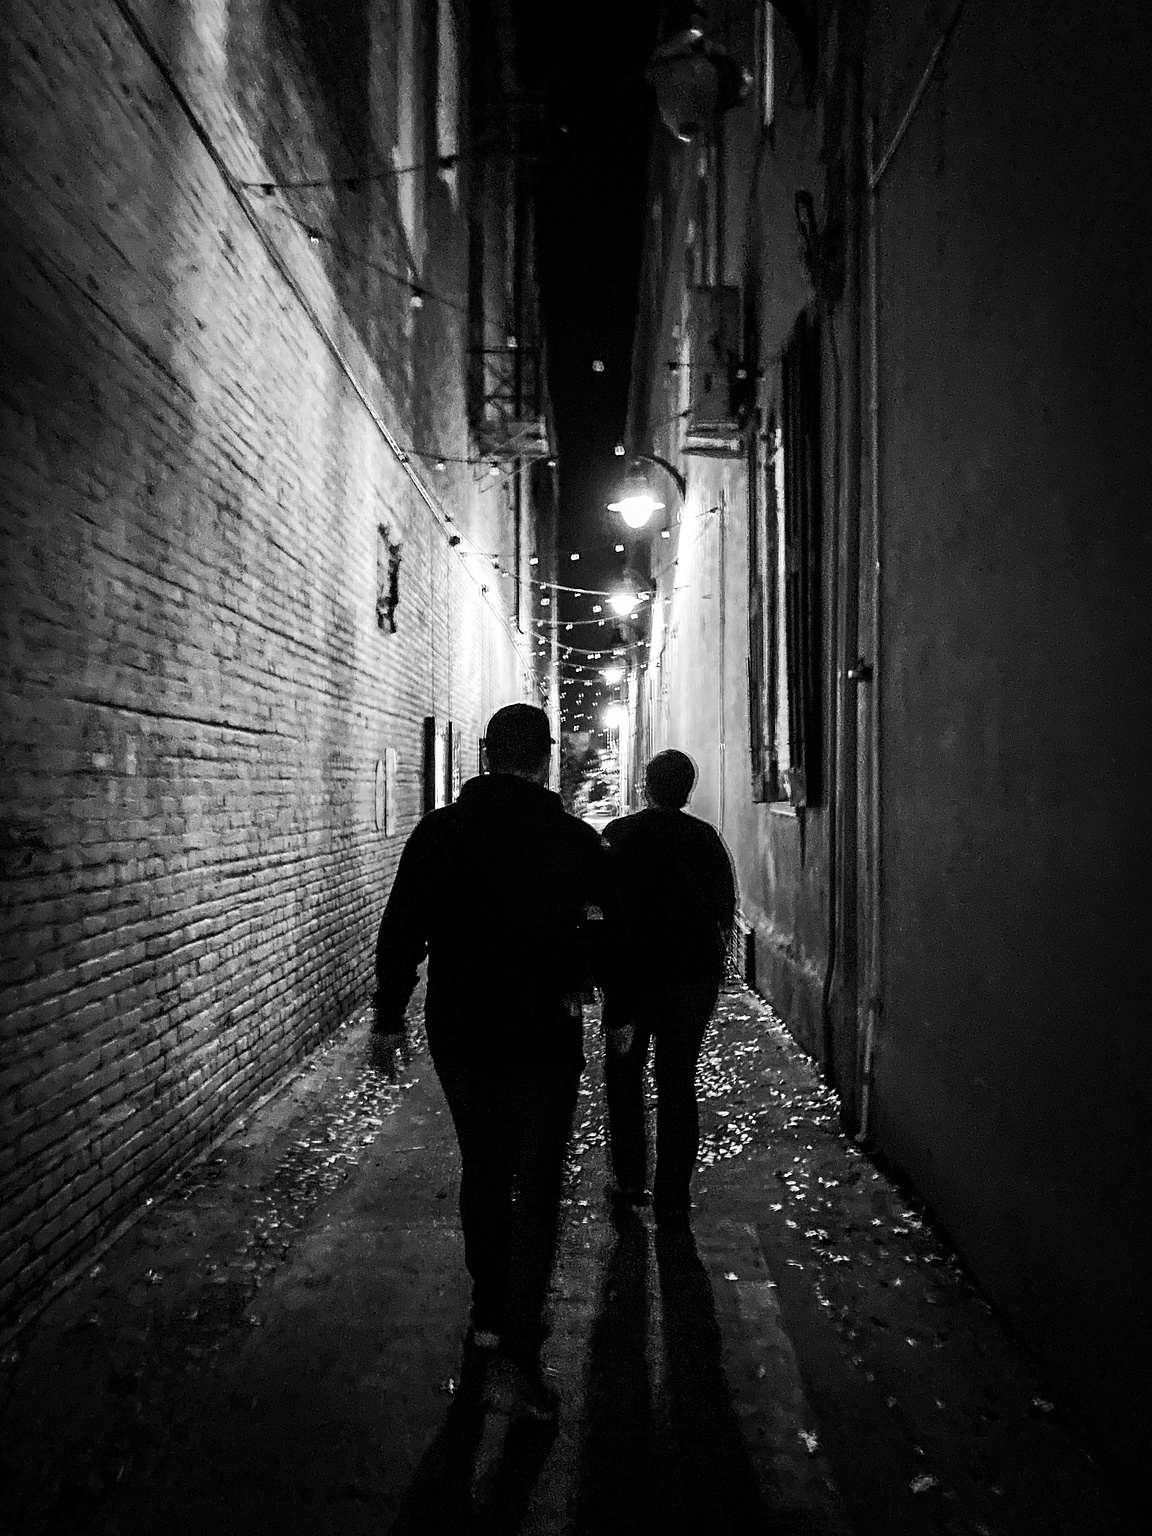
(1014, 342)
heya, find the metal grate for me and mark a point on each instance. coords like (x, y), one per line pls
(737, 962)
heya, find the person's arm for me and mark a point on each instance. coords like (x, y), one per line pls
(402, 941)
(616, 978)
(726, 895)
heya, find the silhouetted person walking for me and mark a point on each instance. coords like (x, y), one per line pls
(677, 900)
(496, 890)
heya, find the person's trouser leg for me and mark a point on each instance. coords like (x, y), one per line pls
(683, 1017)
(624, 1092)
(473, 1091)
(540, 1099)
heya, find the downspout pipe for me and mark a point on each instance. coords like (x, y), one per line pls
(840, 974)
(873, 937)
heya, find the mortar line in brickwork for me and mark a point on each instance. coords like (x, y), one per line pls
(236, 191)
(92, 701)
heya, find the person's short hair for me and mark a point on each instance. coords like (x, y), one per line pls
(518, 738)
(669, 778)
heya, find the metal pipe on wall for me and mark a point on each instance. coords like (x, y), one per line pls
(840, 995)
(874, 922)
(721, 705)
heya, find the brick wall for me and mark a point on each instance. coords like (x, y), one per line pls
(195, 688)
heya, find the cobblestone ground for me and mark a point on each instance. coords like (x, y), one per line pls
(276, 1344)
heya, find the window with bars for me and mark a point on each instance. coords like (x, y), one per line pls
(784, 534)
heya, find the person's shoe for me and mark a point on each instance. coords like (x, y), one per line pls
(627, 1195)
(513, 1390)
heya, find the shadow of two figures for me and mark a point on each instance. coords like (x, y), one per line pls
(657, 1446)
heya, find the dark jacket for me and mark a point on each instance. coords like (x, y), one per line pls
(676, 895)
(496, 891)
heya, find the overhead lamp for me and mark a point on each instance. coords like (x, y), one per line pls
(616, 715)
(637, 503)
(613, 674)
(623, 603)
(694, 80)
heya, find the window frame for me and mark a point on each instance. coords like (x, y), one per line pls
(785, 581)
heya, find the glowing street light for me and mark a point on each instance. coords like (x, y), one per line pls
(613, 674)
(615, 716)
(623, 603)
(637, 504)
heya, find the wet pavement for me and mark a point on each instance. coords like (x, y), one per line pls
(276, 1343)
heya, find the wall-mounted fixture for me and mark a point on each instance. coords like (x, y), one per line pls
(695, 81)
(637, 500)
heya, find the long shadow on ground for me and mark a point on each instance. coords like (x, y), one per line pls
(477, 1476)
(661, 1449)
(716, 1487)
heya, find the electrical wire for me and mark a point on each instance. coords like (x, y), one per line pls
(237, 192)
(317, 236)
(354, 182)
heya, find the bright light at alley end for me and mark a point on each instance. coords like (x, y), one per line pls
(623, 603)
(613, 674)
(615, 716)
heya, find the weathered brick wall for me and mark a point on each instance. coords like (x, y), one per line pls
(195, 689)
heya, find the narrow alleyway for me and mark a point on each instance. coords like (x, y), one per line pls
(276, 1345)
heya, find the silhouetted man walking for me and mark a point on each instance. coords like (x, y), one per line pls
(677, 900)
(497, 891)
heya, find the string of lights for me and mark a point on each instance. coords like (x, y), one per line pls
(568, 624)
(493, 148)
(419, 292)
(584, 650)
(583, 671)
(238, 191)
